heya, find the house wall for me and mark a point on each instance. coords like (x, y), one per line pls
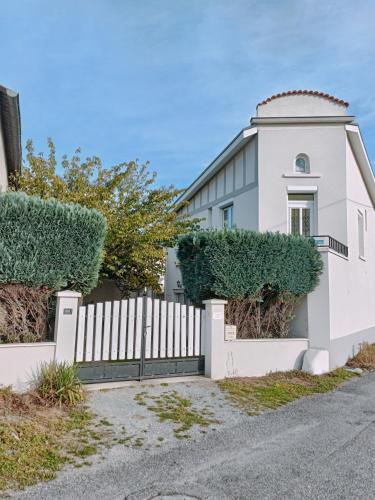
(341, 311)
(278, 147)
(352, 294)
(3, 167)
(236, 183)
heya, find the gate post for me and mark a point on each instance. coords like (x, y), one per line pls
(214, 338)
(66, 325)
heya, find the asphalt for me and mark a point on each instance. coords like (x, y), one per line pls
(320, 447)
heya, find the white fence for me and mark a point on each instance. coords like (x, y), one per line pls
(119, 330)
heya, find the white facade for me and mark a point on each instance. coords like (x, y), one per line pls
(302, 167)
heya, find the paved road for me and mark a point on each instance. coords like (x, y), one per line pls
(321, 447)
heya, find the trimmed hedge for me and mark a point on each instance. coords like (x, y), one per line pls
(237, 264)
(48, 243)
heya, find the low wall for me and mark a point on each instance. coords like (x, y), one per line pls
(257, 357)
(18, 362)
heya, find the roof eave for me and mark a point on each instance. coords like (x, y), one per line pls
(359, 150)
(228, 152)
(287, 120)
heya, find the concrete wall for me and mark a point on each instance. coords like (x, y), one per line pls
(18, 362)
(300, 105)
(257, 357)
(3, 166)
(245, 358)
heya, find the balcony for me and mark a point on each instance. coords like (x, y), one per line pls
(329, 242)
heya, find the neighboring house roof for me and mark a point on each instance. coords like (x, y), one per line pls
(11, 129)
(316, 93)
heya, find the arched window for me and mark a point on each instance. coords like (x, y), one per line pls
(302, 164)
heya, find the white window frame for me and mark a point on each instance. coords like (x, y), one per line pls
(307, 164)
(361, 235)
(223, 210)
(300, 204)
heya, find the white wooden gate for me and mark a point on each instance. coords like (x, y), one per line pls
(138, 338)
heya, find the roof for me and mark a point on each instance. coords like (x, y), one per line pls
(316, 93)
(242, 138)
(11, 129)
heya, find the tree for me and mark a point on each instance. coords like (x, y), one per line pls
(141, 218)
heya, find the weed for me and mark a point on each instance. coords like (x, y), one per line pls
(254, 395)
(37, 439)
(170, 406)
(58, 383)
(365, 359)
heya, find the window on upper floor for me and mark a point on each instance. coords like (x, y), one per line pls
(301, 214)
(228, 216)
(302, 164)
(361, 235)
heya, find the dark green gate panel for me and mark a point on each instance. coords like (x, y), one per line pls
(105, 371)
(112, 371)
(173, 367)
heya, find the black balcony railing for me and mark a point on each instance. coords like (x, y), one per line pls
(328, 241)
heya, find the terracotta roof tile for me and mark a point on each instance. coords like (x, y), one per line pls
(305, 92)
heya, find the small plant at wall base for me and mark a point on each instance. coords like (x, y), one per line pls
(45, 246)
(262, 275)
(58, 383)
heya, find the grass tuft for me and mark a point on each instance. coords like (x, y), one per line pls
(170, 406)
(58, 383)
(37, 439)
(365, 359)
(255, 395)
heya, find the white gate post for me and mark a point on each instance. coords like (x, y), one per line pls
(66, 325)
(214, 338)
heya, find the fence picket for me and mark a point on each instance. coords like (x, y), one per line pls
(98, 332)
(80, 333)
(155, 327)
(177, 328)
(170, 331)
(148, 328)
(114, 330)
(89, 332)
(123, 325)
(107, 330)
(114, 336)
(183, 330)
(199, 334)
(130, 350)
(138, 328)
(163, 329)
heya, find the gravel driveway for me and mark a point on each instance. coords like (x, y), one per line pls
(320, 447)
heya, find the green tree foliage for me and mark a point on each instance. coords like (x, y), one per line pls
(44, 243)
(238, 264)
(141, 218)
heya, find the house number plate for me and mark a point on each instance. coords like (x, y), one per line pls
(68, 311)
(230, 332)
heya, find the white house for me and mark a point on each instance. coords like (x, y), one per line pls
(301, 167)
(10, 136)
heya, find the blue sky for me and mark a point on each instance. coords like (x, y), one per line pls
(172, 81)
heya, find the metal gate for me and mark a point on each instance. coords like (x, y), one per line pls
(137, 339)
